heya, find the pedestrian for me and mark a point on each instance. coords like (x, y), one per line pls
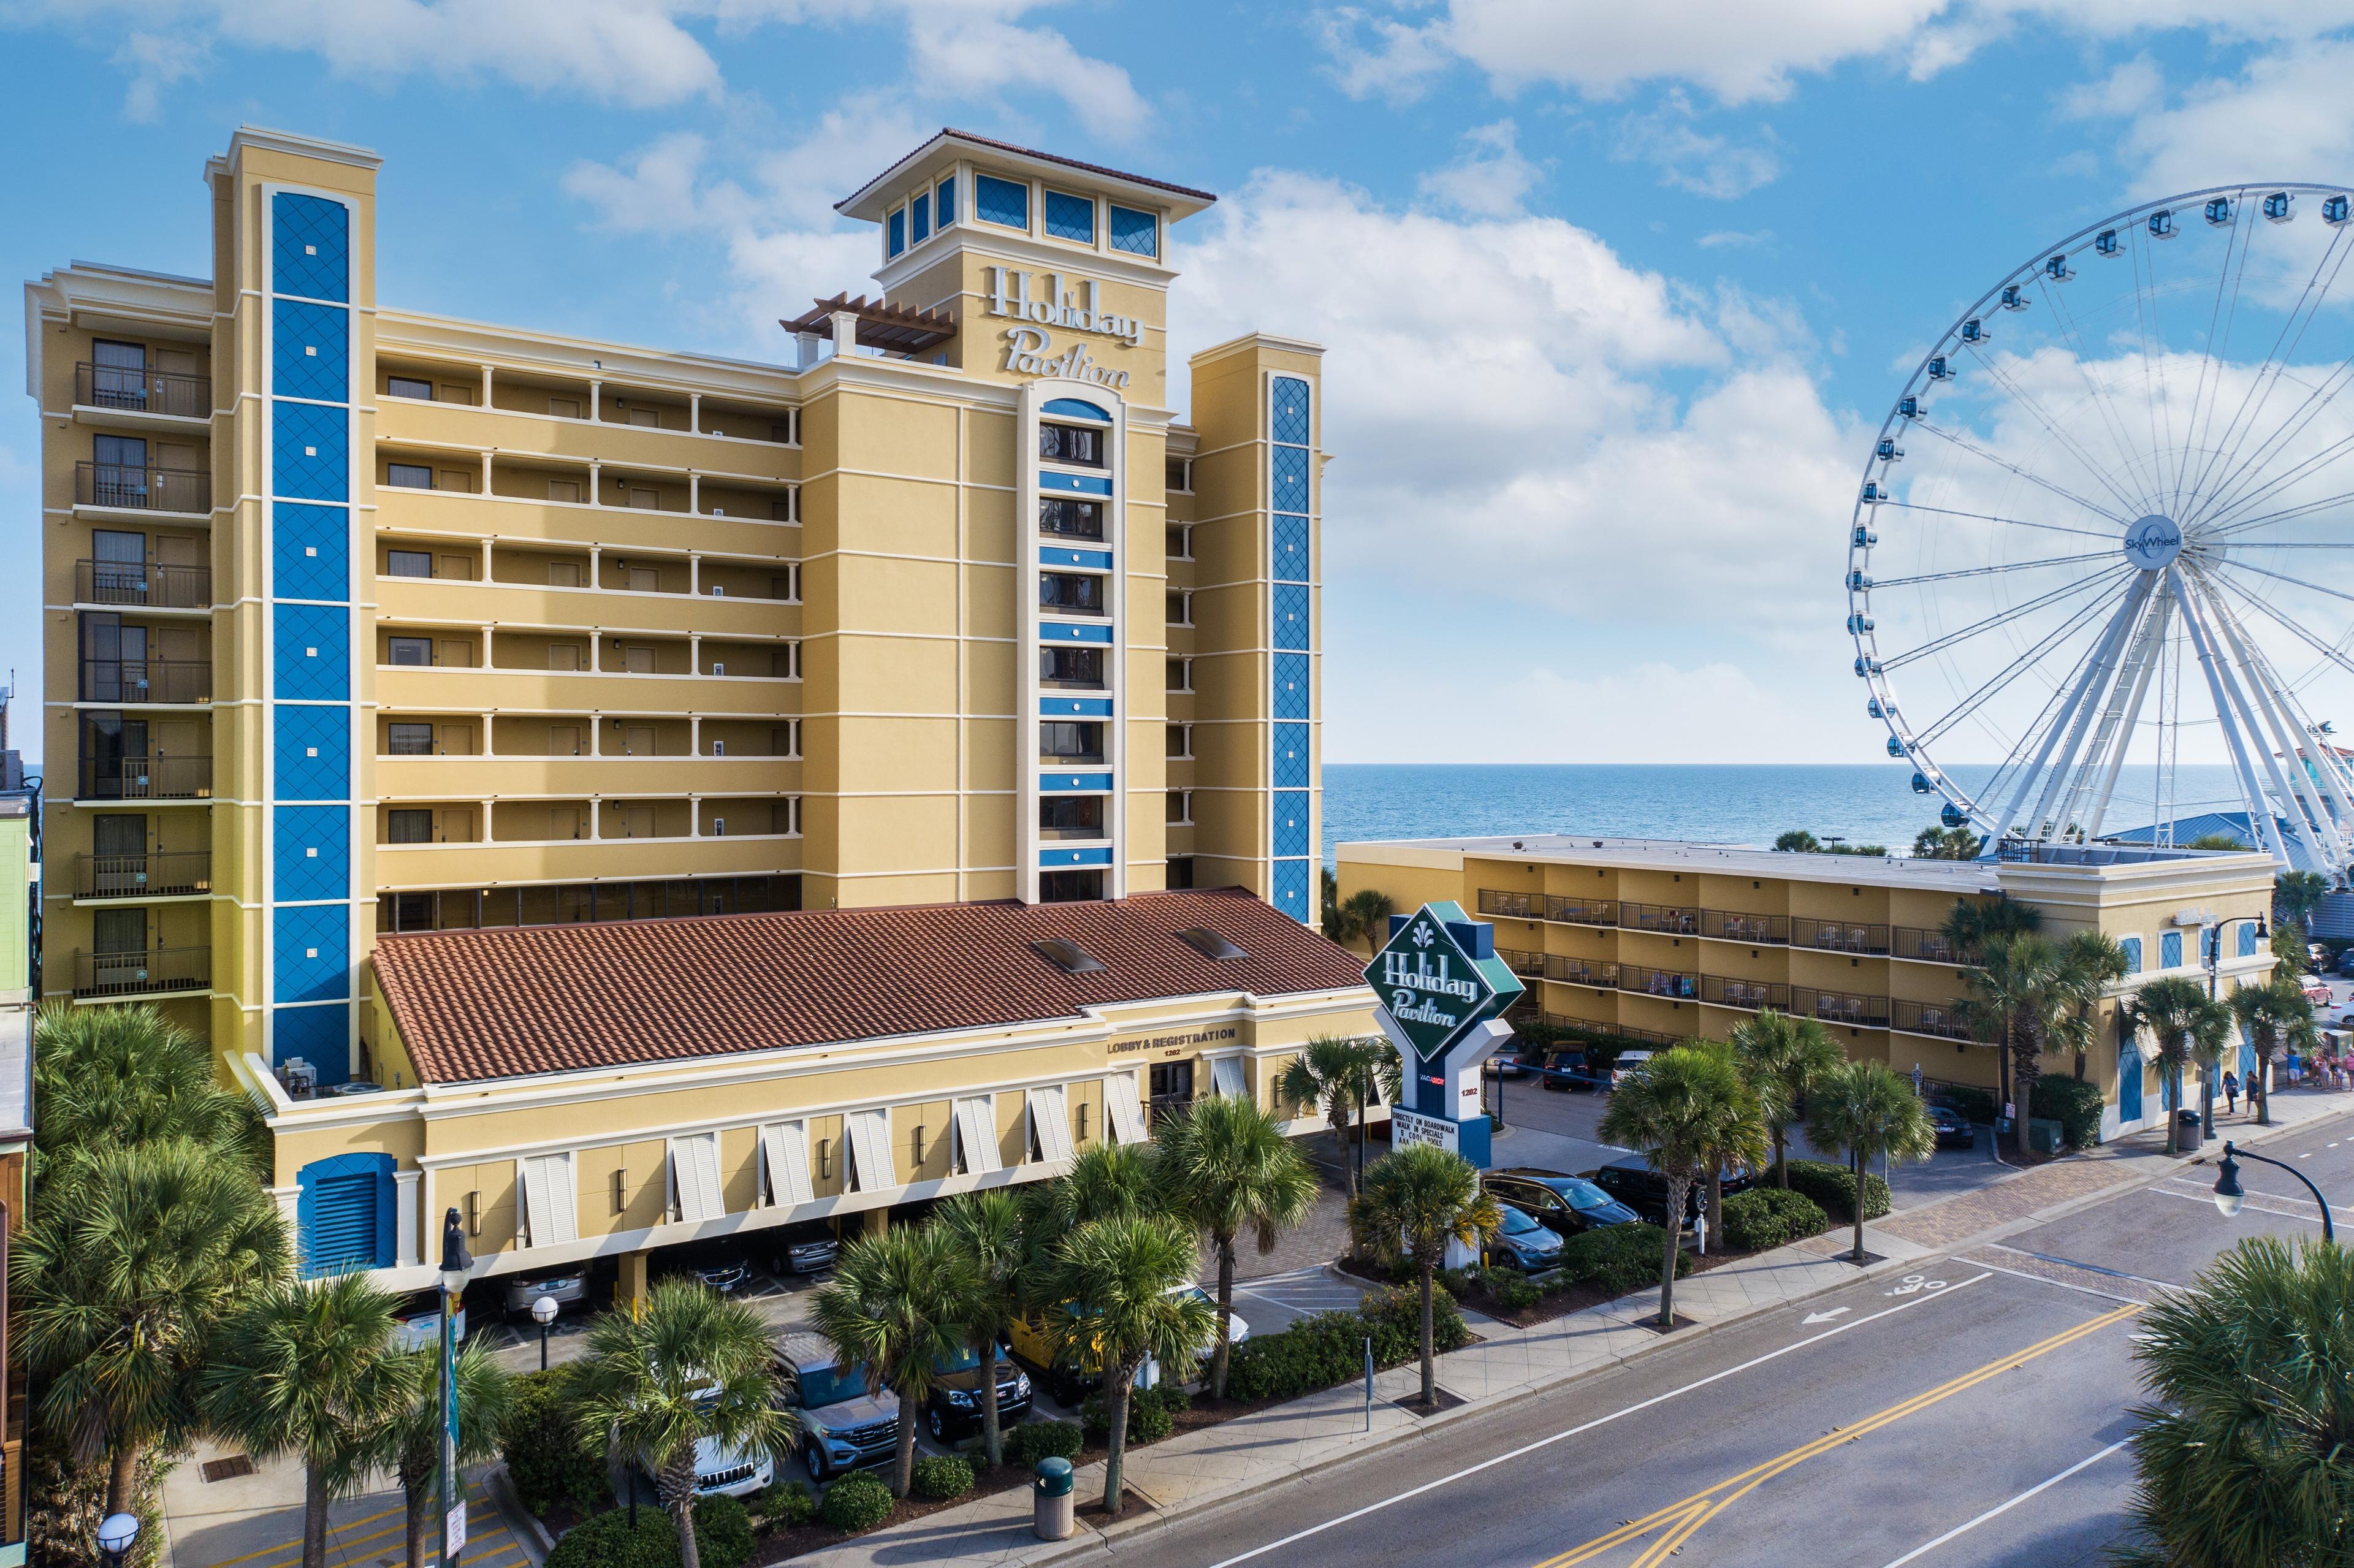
(2231, 1096)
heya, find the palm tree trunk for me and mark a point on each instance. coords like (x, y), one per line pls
(2262, 1094)
(2174, 1081)
(121, 1476)
(1338, 1117)
(1715, 1203)
(417, 1506)
(677, 1488)
(1118, 1387)
(903, 1462)
(1430, 1340)
(1226, 1316)
(314, 1516)
(1781, 1157)
(1679, 1189)
(992, 1434)
(1855, 1164)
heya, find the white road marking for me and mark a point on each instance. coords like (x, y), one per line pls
(1527, 1448)
(2062, 1284)
(1811, 1317)
(2304, 1211)
(2002, 1507)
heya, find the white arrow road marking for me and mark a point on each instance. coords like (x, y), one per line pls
(1823, 1316)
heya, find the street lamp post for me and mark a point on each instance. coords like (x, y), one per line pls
(543, 1312)
(456, 1264)
(2229, 1197)
(117, 1533)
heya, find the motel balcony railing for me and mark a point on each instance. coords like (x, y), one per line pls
(142, 391)
(133, 487)
(143, 973)
(157, 778)
(146, 584)
(1511, 905)
(1839, 936)
(1676, 985)
(1840, 1007)
(130, 681)
(156, 873)
(1730, 925)
(1624, 1031)
(1581, 911)
(1911, 942)
(1674, 920)
(1723, 991)
(1521, 961)
(1580, 971)
(1940, 1019)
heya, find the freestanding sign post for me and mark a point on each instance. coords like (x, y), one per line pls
(1439, 991)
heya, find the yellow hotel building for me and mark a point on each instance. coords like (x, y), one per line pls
(1663, 940)
(363, 623)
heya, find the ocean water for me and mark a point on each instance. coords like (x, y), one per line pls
(1726, 803)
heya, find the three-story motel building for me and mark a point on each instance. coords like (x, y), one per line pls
(632, 796)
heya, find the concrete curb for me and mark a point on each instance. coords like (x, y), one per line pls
(510, 1509)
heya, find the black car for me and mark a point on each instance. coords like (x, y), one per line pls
(721, 1265)
(1636, 1184)
(1570, 1071)
(807, 1247)
(952, 1410)
(1566, 1205)
(1954, 1129)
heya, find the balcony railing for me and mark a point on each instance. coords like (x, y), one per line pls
(1911, 942)
(1579, 972)
(185, 491)
(1520, 961)
(1839, 936)
(131, 680)
(155, 585)
(157, 873)
(1940, 1019)
(158, 778)
(1676, 985)
(142, 974)
(1672, 918)
(142, 391)
(1721, 991)
(1765, 930)
(1622, 1031)
(1582, 911)
(1511, 905)
(1840, 1007)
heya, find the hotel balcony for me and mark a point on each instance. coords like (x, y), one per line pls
(1723, 991)
(157, 873)
(153, 971)
(1520, 961)
(155, 777)
(147, 584)
(180, 492)
(1861, 940)
(118, 391)
(1759, 930)
(1578, 971)
(1940, 1019)
(1670, 920)
(129, 683)
(1581, 911)
(1840, 1007)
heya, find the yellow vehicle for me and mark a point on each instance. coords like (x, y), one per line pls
(1033, 1349)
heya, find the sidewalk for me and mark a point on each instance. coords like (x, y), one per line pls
(1204, 1468)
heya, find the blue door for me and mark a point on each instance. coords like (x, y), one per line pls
(2128, 1082)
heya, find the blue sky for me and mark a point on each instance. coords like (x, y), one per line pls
(1614, 294)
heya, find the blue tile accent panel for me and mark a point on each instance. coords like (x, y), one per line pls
(1075, 708)
(1055, 555)
(309, 452)
(1077, 408)
(311, 552)
(313, 748)
(314, 652)
(1001, 201)
(1065, 631)
(1287, 413)
(310, 245)
(1290, 564)
(313, 957)
(320, 1036)
(309, 351)
(1290, 823)
(1071, 216)
(1291, 686)
(1290, 466)
(1066, 783)
(1290, 615)
(1138, 233)
(1055, 859)
(1290, 888)
(1290, 764)
(313, 848)
(1074, 484)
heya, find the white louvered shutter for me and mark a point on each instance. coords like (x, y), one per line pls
(695, 1189)
(1050, 1125)
(1227, 1077)
(1122, 1109)
(871, 1167)
(785, 1146)
(976, 1124)
(548, 1197)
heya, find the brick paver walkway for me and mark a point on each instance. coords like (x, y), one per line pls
(2086, 1175)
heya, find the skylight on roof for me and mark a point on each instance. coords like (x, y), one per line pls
(1067, 956)
(1209, 943)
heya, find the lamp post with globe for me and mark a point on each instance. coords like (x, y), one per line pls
(2229, 1197)
(543, 1312)
(117, 1534)
(457, 1263)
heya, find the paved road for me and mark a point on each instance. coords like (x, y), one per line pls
(1969, 1416)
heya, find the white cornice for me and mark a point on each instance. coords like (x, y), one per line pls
(263, 139)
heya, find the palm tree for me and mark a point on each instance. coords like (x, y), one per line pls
(2099, 962)
(1333, 1072)
(1677, 1110)
(1329, 904)
(2296, 898)
(2275, 1013)
(1107, 1181)
(1781, 1057)
(1969, 928)
(986, 1227)
(1937, 842)
(307, 1368)
(1417, 1200)
(888, 1309)
(2242, 1451)
(1366, 914)
(108, 1077)
(1740, 1143)
(121, 1290)
(1867, 1111)
(2172, 1009)
(1798, 841)
(1226, 1168)
(2023, 987)
(691, 1366)
(2211, 1032)
(410, 1444)
(1118, 1305)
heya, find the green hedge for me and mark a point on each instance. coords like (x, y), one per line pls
(939, 1476)
(783, 1506)
(548, 1460)
(1328, 1348)
(1766, 1217)
(2073, 1103)
(857, 1501)
(723, 1537)
(1034, 1440)
(1619, 1259)
(1151, 1415)
(1977, 1105)
(1832, 1188)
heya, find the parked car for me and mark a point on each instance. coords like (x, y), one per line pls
(1628, 1062)
(807, 1247)
(1522, 1243)
(417, 1322)
(1645, 1191)
(845, 1426)
(1566, 1205)
(1954, 1129)
(1034, 1352)
(568, 1288)
(1507, 1063)
(721, 1265)
(952, 1410)
(719, 1470)
(1569, 1071)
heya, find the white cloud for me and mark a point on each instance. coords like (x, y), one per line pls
(2285, 110)
(1722, 237)
(1489, 179)
(1688, 160)
(2132, 88)
(658, 193)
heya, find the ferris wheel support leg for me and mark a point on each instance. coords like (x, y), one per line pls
(2134, 683)
(2256, 714)
(2064, 719)
(2260, 816)
(2062, 780)
(2291, 735)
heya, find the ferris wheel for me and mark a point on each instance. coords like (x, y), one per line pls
(2101, 569)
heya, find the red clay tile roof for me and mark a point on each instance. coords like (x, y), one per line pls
(477, 1006)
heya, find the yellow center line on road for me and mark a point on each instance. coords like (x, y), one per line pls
(1681, 1519)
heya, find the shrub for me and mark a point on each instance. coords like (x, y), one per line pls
(723, 1535)
(1832, 1187)
(1977, 1105)
(939, 1476)
(1151, 1415)
(1619, 1259)
(784, 1505)
(1766, 1217)
(1328, 1348)
(548, 1460)
(856, 1502)
(1036, 1440)
(2073, 1103)
(1510, 1291)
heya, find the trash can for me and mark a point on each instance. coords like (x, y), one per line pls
(1054, 1518)
(2186, 1129)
